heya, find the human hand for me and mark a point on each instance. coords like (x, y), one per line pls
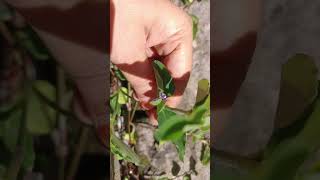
(143, 30)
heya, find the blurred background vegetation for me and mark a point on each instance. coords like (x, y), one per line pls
(41, 136)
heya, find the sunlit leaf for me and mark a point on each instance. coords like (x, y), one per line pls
(187, 2)
(205, 154)
(173, 127)
(164, 113)
(123, 95)
(186, 177)
(195, 24)
(123, 152)
(203, 90)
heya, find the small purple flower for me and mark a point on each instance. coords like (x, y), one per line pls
(163, 96)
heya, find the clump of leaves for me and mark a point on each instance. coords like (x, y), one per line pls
(175, 127)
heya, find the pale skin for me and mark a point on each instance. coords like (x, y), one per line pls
(141, 30)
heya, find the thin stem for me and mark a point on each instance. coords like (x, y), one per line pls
(16, 161)
(77, 155)
(129, 113)
(61, 147)
(135, 107)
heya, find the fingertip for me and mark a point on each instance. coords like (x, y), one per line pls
(174, 101)
(152, 115)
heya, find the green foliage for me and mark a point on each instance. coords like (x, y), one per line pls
(30, 42)
(163, 78)
(286, 157)
(7, 110)
(299, 88)
(205, 154)
(40, 117)
(186, 177)
(298, 91)
(174, 127)
(195, 25)
(119, 75)
(177, 125)
(122, 96)
(203, 91)
(187, 2)
(123, 152)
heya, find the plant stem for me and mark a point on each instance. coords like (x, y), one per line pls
(77, 155)
(61, 146)
(129, 107)
(135, 107)
(16, 161)
(129, 110)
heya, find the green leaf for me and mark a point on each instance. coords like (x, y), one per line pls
(28, 39)
(187, 2)
(293, 152)
(163, 78)
(181, 146)
(156, 102)
(299, 88)
(195, 22)
(205, 154)
(114, 106)
(164, 113)
(123, 152)
(9, 130)
(186, 177)
(163, 178)
(40, 117)
(119, 75)
(123, 97)
(173, 127)
(203, 90)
